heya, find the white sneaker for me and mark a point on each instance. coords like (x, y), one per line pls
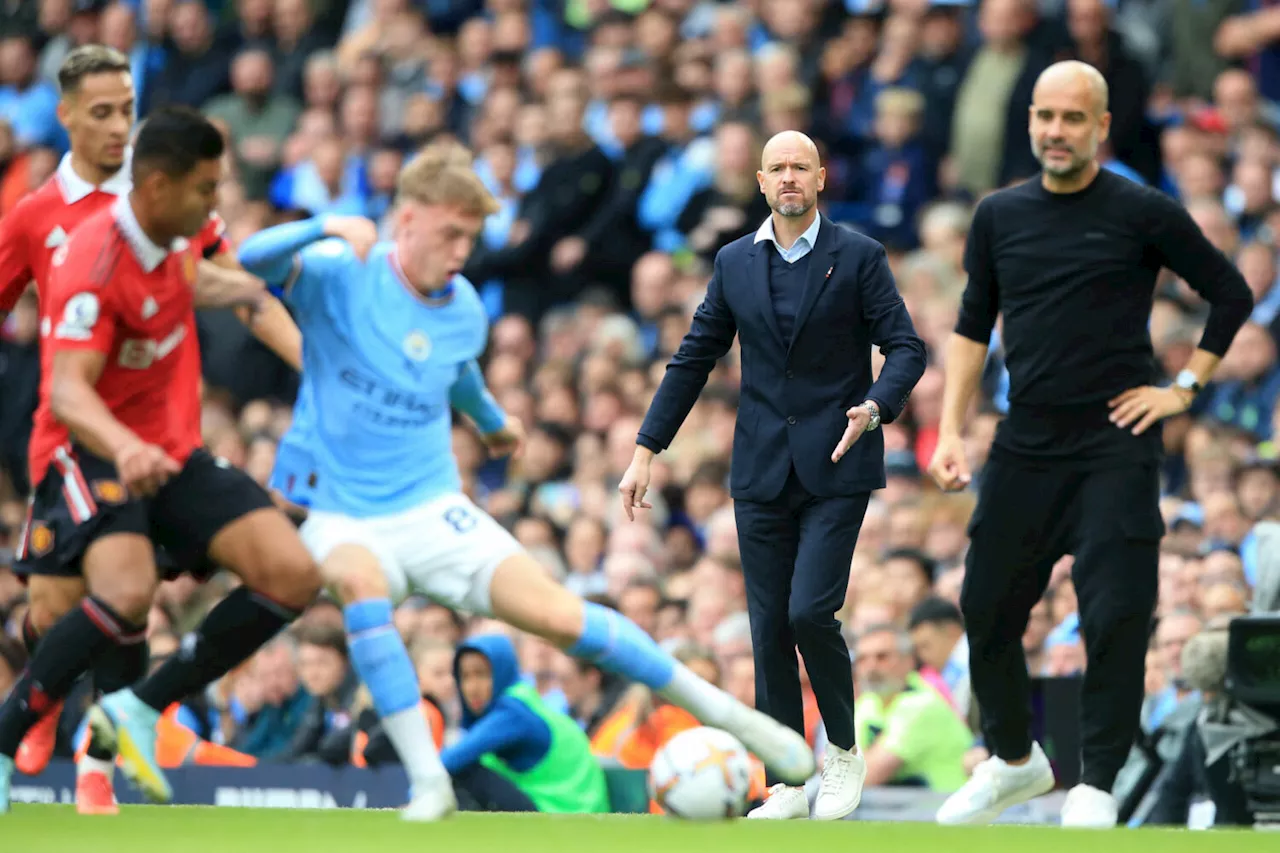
(431, 803)
(784, 803)
(782, 750)
(1088, 807)
(843, 773)
(995, 786)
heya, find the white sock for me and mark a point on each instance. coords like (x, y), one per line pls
(711, 705)
(411, 736)
(89, 764)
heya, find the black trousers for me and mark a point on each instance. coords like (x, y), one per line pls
(1026, 519)
(796, 551)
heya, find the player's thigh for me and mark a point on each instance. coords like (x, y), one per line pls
(213, 514)
(451, 550)
(78, 505)
(353, 560)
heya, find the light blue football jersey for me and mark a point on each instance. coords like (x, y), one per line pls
(380, 360)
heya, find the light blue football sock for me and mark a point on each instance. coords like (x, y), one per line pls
(613, 642)
(379, 656)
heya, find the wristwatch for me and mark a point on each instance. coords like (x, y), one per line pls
(1187, 381)
(874, 410)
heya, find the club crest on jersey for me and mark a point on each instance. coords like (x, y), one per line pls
(109, 492)
(417, 346)
(41, 540)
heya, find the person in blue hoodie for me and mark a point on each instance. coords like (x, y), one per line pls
(510, 732)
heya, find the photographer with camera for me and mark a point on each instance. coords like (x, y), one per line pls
(1193, 775)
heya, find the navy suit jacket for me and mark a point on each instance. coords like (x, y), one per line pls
(792, 400)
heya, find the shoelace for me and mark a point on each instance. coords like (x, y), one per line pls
(833, 782)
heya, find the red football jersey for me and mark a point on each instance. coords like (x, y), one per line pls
(41, 222)
(112, 290)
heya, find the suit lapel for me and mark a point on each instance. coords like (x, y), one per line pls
(820, 266)
(758, 278)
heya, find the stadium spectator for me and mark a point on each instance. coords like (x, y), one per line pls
(325, 673)
(511, 734)
(909, 733)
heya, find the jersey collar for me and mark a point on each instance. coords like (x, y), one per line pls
(74, 188)
(149, 254)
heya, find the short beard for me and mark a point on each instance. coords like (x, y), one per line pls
(793, 208)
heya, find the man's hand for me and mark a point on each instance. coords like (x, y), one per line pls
(635, 482)
(950, 466)
(568, 253)
(507, 441)
(859, 419)
(360, 233)
(1146, 405)
(144, 468)
(219, 287)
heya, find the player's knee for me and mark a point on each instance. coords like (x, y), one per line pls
(130, 598)
(50, 599)
(360, 583)
(42, 617)
(354, 574)
(288, 576)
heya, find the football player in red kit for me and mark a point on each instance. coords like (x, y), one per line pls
(117, 456)
(97, 108)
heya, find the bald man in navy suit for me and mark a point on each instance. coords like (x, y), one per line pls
(807, 299)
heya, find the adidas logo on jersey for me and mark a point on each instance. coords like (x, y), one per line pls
(149, 308)
(56, 238)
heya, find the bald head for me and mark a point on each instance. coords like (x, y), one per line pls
(1073, 77)
(790, 175)
(790, 141)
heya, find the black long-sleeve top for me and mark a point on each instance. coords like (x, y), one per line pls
(1073, 275)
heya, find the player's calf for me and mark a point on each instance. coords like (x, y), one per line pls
(113, 615)
(523, 595)
(50, 598)
(382, 662)
(280, 579)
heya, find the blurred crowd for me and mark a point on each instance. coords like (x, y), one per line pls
(621, 138)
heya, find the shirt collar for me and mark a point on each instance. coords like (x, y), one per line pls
(74, 187)
(149, 254)
(810, 235)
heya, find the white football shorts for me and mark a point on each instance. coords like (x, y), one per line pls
(446, 549)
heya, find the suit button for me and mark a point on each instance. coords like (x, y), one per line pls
(791, 419)
(790, 374)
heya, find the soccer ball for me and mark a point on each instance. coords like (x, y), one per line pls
(701, 774)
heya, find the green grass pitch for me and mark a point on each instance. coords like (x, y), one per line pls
(140, 829)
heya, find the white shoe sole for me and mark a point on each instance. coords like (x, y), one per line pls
(1041, 787)
(840, 813)
(756, 814)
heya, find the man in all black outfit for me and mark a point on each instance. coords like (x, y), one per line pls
(1070, 259)
(806, 299)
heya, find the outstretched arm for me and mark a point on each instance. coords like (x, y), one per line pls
(269, 254)
(469, 395)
